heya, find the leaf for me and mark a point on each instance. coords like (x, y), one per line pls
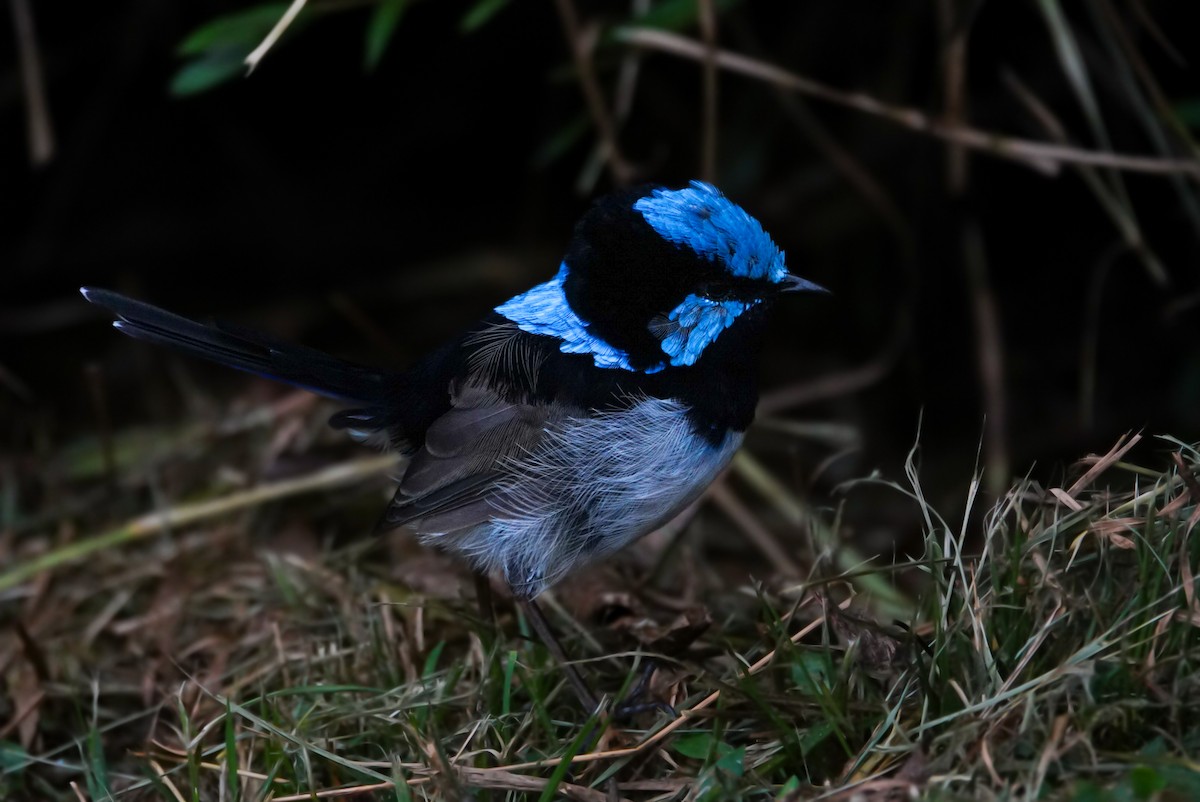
(215, 67)
(677, 15)
(698, 745)
(13, 758)
(1146, 782)
(814, 736)
(810, 673)
(1188, 112)
(222, 45)
(232, 785)
(380, 28)
(431, 660)
(562, 141)
(243, 28)
(509, 666)
(586, 733)
(790, 789)
(96, 774)
(733, 761)
(480, 14)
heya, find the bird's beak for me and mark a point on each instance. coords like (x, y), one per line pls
(793, 283)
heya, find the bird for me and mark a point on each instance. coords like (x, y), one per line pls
(575, 417)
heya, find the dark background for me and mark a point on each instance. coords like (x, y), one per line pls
(376, 213)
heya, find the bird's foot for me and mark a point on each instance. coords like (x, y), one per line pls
(639, 699)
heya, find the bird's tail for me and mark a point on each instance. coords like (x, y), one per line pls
(245, 349)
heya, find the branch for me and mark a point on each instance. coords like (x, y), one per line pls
(1042, 156)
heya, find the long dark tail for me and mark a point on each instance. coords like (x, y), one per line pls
(246, 350)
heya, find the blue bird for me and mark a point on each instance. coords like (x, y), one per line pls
(577, 416)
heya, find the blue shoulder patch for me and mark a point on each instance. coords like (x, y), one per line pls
(703, 219)
(544, 310)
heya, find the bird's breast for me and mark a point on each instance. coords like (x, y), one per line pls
(597, 482)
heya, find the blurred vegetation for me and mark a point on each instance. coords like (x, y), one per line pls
(1003, 197)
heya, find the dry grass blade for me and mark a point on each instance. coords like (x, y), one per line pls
(185, 515)
(1102, 464)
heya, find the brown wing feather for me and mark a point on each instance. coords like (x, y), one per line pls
(464, 461)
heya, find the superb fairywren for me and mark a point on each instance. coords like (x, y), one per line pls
(576, 417)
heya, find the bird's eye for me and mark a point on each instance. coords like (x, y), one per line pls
(718, 291)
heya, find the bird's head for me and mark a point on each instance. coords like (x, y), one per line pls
(655, 275)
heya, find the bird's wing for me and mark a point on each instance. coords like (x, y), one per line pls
(466, 459)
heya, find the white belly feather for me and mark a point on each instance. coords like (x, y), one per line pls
(590, 487)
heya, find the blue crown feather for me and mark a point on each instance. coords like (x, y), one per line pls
(700, 217)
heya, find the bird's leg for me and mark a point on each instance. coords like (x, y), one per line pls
(588, 699)
(540, 625)
(483, 597)
(635, 701)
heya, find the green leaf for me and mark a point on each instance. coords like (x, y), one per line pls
(677, 15)
(231, 756)
(1181, 780)
(213, 68)
(1188, 112)
(221, 46)
(586, 733)
(810, 672)
(732, 761)
(13, 758)
(400, 782)
(509, 666)
(431, 660)
(814, 736)
(698, 745)
(97, 767)
(480, 14)
(562, 141)
(242, 28)
(1090, 792)
(790, 789)
(380, 28)
(1145, 782)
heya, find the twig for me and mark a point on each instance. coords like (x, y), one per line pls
(708, 30)
(954, 89)
(581, 47)
(1042, 156)
(37, 110)
(271, 38)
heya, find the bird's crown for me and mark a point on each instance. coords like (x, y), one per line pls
(653, 276)
(702, 219)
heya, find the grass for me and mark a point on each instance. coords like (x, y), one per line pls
(1049, 650)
